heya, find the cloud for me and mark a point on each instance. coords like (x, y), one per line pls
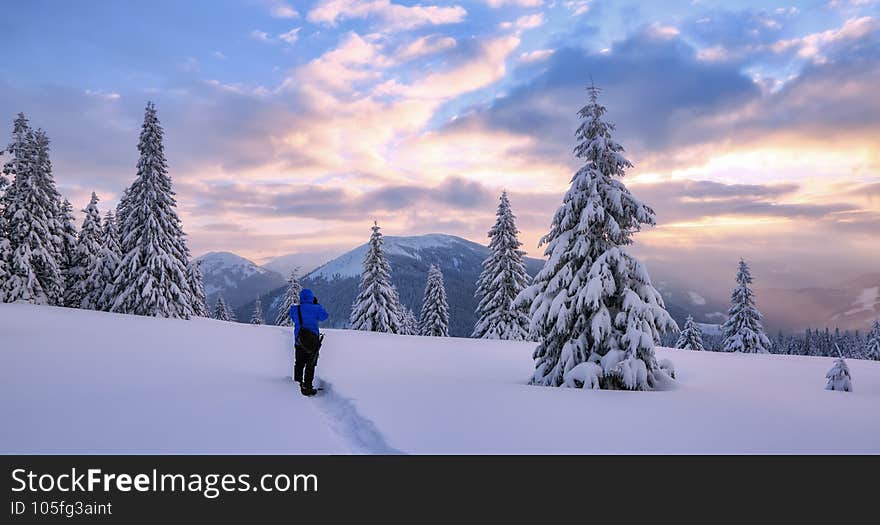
(333, 203)
(813, 46)
(291, 36)
(517, 3)
(695, 200)
(766, 45)
(394, 16)
(673, 109)
(537, 55)
(261, 36)
(426, 45)
(577, 7)
(525, 22)
(484, 68)
(279, 9)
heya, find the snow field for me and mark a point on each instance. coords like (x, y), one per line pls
(82, 381)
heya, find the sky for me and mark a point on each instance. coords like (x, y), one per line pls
(753, 126)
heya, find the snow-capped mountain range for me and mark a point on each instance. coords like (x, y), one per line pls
(305, 261)
(336, 282)
(849, 305)
(239, 280)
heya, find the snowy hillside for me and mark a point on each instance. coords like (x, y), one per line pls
(336, 282)
(238, 279)
(99, 382)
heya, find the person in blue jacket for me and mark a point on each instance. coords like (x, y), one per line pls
(307, 339)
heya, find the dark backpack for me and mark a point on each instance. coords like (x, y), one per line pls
(309, 340)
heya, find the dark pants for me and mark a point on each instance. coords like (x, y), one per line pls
(304, 366)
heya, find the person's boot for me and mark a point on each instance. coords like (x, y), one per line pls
(308, 390)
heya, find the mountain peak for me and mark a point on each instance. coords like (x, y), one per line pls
(350, 264)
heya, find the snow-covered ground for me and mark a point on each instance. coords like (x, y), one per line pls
(78, 381)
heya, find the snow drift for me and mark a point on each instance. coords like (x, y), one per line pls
(92, 382)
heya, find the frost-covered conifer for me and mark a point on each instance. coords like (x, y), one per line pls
(291, 297)
(5, 247)
(85, 253)
(197, 285)
(434, 320)
(376, 307)
(99, 274)
(31, 212)
(838, 377)
(691, 337)
(501, 281)
(257, 317)
(408, 323)
(593, 307)
(222, 312)
(152, 278)
(872, 345)
(68, 246)
(743, 331)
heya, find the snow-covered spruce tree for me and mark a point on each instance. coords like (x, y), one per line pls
(838, 377)
(691, 337)
(375, 308)
(5, 255)
(68, 246)
(593, 307)
(152, 278)
(408, 323)
(222, 312)
(58, 226)
(87, 249)
(291, 297)
(434, 320)
(872, 345)
(743, 331)
(197, 285)
(99, 274)
(5, 247)
(257, 316)
(501, 281)
(32, 208)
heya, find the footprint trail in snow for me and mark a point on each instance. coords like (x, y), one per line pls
(358, 432)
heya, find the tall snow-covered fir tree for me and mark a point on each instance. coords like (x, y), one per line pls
(222, 312)
(152, 278)
(291, 297)
(257, 316)
(434, 320)
(501, 281)
(87, 250)
(872, 344)
(197, 285)
(742, 331)
(838, 377)
(5, 247)
(5, 255)
(58, 227)
(691, 337)
(593, 307)
(99, 274)
(68, 246)
(31, 212)
(376, 307)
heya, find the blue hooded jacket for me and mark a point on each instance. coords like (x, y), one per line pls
(312, 313)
